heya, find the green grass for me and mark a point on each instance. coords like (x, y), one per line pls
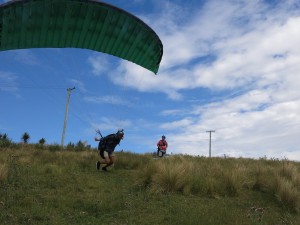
(55, 187)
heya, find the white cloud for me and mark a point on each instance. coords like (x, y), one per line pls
(143, 80)
(8, 82)
(176, 124)
(99, 63)
(173, 112)
(108, 99)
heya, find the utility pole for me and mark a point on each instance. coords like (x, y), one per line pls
(66, 116)
(210, 131)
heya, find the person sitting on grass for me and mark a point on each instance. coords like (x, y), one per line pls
(106, 149)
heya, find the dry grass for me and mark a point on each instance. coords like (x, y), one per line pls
(3, 171)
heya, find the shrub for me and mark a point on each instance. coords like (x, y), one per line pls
(70, 146)
(54, 147)
(80, 146)
(5, 142)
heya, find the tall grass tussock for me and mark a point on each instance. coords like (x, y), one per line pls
(190, 175)
(223, 177)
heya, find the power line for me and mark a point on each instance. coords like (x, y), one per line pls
(29, 87)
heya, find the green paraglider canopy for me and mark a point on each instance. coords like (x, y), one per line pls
(84, 24)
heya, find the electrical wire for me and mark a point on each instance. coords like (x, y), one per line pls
(31, 87)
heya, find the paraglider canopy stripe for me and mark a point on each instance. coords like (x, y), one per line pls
(84, 24)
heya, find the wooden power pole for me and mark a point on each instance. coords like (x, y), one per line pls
(66, 116)
(210, 131)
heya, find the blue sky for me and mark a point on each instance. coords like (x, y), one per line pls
(229, 66)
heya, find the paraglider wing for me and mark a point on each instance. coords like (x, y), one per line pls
(84, 24)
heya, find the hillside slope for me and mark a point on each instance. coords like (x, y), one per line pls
(43, 187)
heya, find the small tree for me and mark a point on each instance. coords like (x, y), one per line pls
(25, 137)
(42, 141)
(79, 146)
(70, 146)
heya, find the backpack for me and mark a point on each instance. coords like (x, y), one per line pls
(103, 142)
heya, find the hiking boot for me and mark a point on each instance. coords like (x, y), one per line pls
(104, 169)
(98, 165)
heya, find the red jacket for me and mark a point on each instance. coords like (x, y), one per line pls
(162, 145)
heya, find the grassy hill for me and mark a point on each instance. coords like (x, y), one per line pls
(63, 187)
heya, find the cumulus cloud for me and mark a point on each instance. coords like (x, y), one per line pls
(243, 45)
(264, 120)
(100, 64)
